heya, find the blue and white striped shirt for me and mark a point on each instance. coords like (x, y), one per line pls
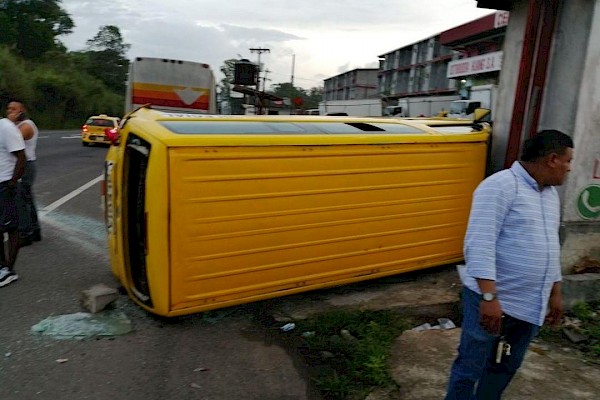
(512, 238)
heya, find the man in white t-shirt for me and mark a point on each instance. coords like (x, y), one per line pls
(12, 165)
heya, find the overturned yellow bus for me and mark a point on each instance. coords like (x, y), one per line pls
(204, 211)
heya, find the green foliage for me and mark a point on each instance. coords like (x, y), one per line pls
(358, 364)
(9, 30)
(13, 79)
(60, 89)
(588, 325)
(108, 38)
(31, 27)
(589, 314)
(353, 368)
(583, 311)
(57, 92)
(335, 386)
(287, 90)
(65, 100)
(548, 333)
(109, 67)
(315, 95)
(376, 367)
(227, 69)
(310, 98)
(106, 59)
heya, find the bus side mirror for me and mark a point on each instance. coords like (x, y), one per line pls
(113, 135)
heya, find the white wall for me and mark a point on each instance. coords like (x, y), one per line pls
(583, 230)
(567, 62)
(587, 123)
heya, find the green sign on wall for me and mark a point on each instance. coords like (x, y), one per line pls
(588, 202)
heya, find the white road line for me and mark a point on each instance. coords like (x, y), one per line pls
(68, 197)
(71, 137)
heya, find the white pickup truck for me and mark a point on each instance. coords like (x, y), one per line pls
(483, 96)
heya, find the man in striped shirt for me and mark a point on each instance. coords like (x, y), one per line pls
(513, 273)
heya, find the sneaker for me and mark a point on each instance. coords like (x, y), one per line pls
(7, 276)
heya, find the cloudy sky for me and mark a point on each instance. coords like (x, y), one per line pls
(318, 38)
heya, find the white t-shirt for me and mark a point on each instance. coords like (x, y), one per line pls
(31, 143)
(10, 140)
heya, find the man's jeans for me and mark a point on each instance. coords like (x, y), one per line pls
(475, 373)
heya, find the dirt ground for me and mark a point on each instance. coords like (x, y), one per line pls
(421, 361)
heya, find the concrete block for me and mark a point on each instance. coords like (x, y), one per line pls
(98, 297)
(580, 288)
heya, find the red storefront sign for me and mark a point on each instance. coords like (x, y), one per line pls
(475, 65)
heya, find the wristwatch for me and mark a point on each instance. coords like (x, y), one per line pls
(488, 296)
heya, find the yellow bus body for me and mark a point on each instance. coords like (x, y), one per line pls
(199, 221)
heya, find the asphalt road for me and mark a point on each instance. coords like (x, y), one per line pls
(228, 354)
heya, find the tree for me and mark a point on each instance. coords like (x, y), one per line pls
(287, 90)
(315, 95)
(227, 69)
(14, 81)
(310, 99)
(108, 38)
(107, 58)
(30, 27)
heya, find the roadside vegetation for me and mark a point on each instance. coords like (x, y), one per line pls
(347, 352)
(61, 88)
(582, 324)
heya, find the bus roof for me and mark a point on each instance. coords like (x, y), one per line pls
(180, 128)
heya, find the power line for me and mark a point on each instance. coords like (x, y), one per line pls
(297, 77)
(259, 50)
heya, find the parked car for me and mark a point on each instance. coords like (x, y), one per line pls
(94, 131)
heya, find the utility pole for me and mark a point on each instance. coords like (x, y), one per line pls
(265, 80)
(292, 83)
(259, 50)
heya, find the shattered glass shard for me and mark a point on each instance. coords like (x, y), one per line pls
(84, 325)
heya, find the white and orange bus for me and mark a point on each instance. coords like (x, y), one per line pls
(171, 85)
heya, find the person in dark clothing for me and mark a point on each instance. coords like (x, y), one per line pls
(29, 227)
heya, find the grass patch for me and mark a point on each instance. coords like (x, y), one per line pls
(348, 351)
(583, 319)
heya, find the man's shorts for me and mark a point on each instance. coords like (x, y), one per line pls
(9, 221)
